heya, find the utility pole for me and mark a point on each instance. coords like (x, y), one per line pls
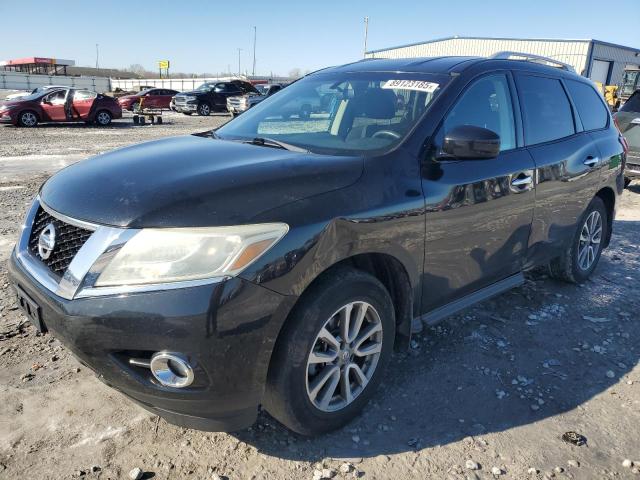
(239, 71)
(253, 71)
(366, 32)
(97, 56)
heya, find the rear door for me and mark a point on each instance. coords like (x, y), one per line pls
(222, 92)
(53, 106)
(566, 158)
(478, 212)
(164, 98)
(83, 101)
(152, 99)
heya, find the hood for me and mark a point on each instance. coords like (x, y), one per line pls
(192, 92)
(128, 97)
(13, 102)
(192, 181)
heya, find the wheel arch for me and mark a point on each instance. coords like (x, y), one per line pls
(390, 272)
(608, 197)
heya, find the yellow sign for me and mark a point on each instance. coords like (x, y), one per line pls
(163, 64)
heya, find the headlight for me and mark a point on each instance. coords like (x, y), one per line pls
(189, 98)
(4, 108)
(162, 255)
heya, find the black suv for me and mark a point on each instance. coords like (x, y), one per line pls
(210, 97)
(278, 260)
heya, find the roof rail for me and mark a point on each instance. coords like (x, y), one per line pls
(528, 57)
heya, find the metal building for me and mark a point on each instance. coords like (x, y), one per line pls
(600, 61)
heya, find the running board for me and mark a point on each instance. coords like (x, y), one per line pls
(440, 313)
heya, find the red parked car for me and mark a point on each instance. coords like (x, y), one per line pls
(60, 105)
(151, 98)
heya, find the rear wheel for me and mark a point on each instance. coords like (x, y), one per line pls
(103, 118)
(204, 109)
(28, 119)
(627, 182)
(580, 258)
(331, 354)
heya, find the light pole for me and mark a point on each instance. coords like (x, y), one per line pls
(253, 71)
(97, 56)
(239, 70)
(366, 32)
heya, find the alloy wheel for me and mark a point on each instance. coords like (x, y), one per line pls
(204, 110)
(344, 356)
(590, 240)
(28, 119)
(103, 118)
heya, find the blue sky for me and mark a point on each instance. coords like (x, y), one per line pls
(203, 36)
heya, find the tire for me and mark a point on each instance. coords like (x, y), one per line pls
(28, 119)
(627, 182)
(103, 118)
(294, 376)
(575, 265)
(187, 113)
(204, 109)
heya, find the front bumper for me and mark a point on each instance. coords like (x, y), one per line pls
(227, 330)
(185, 107)
(632, 167)
(5, 117)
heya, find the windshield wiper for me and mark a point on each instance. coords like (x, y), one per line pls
(270, 142)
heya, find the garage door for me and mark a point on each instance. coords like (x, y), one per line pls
(600, 71)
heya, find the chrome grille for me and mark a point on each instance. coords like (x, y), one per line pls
(69, 240)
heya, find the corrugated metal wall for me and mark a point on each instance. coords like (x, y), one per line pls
(573, 52)
(24, 81)
(620, 57)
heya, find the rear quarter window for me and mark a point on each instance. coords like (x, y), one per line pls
(591, 109)
(546, 109)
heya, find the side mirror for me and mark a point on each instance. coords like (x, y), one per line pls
(467, 142)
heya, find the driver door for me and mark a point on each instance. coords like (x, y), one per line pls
(53, 106)
(478, 211)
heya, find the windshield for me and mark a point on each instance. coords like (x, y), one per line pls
(263, 89)
(340, 113)
(205, 87)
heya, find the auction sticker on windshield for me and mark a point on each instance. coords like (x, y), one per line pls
(419, 85)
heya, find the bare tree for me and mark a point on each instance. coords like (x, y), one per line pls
(295, 73)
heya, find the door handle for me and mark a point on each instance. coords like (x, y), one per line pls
(591, 161)
(522, 181)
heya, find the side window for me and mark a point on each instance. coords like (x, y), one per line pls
(220, 87)
(592, 111)
(546, 109)
(633, 104)
(486, 104)
(84, 95)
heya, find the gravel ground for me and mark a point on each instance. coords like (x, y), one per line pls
(487, 394)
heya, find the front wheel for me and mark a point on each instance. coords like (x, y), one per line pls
(103, 118)
(204, 109)
(331, 354)
(581, 257)
(28, 119)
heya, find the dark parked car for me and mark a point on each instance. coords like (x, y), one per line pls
(242, 103)
(156, 98)
(60, 105)
(628, 120)
(210, 97)
(277, 261)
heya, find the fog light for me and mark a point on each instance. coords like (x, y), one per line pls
(171, 369)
